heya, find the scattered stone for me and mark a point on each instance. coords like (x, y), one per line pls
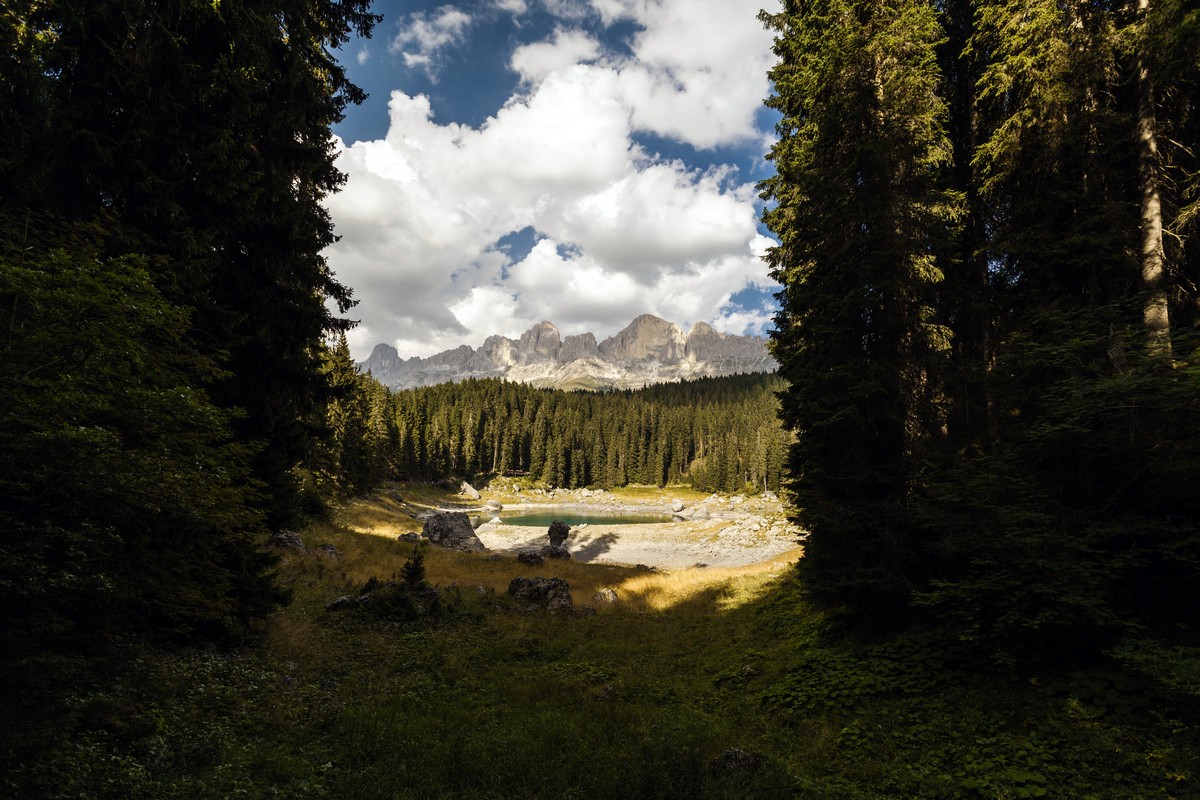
(700, 565)
(553, 593)
(452, 530)
(733, 761)
(327, 550)
(558, 533)
(555, 551)
(338, 603)
(531, 557)
(494, 506)
(586, 611)
(287, 540)
(606, 595)
(469, 490)
(410, 538)
(585, 492)
(677, 506)
(699, 513)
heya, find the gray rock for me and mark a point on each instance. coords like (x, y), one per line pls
(699, 513)
(555, 551)
(677, 506)
(558, 533)
(553, 593)
(469, 490)
(287, 540)
(409, 538)
(327, 550)
(345, 601)
(494, 506)
(452, 530)
(606, 595)
(586, 611)
(532, 557)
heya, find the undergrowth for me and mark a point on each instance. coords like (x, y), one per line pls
(478, 697)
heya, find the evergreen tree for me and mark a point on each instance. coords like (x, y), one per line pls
(860, 208)
(1001, 440)
(198, 134)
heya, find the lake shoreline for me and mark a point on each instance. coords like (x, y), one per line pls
(713, 531)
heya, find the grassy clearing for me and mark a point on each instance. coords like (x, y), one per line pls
(641, 700)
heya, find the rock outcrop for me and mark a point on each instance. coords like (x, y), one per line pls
(555, 551)
(558, 532)
(553, 593)
(648, 350)
(452, 530)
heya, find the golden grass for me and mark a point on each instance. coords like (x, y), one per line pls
(364, 531)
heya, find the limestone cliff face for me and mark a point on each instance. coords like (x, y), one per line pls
(649, 350)
(646, 338)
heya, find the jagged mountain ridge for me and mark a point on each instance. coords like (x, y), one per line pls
(648, 350)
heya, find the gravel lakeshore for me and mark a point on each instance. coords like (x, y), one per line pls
(714, 532)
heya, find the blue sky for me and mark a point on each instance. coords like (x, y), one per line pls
(578, 161)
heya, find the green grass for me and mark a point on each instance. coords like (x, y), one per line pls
(487, 700)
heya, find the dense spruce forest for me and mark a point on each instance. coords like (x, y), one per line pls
(987, 215)
(714, 434)
(163, 295)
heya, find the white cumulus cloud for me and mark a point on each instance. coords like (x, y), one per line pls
(426, 211)
(424, 34)
(533, 62)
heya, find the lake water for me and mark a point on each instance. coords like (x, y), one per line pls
(574, 517)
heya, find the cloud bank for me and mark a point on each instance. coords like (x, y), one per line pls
(437, 219)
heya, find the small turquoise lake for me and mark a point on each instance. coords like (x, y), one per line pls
(537, 518)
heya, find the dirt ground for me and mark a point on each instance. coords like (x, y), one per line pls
(714, 531)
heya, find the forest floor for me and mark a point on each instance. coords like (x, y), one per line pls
(696, 683)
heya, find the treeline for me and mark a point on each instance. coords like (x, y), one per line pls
(717, 434)
(988, 223)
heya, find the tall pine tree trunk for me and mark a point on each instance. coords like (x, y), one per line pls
(1155, 314)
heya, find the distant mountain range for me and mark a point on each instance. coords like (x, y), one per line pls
(649, 350)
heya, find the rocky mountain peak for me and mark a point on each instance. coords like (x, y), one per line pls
(540, 342)
(647, 337)
(384, 357)
(648, 350)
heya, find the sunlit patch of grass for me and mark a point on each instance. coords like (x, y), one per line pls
(728, 587)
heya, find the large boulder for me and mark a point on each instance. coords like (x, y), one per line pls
(558, 533)
(452, 530)
(555, 551)
(553, 593)
(287, 540)
(469, 490)
(606, 595)
(531, 557)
